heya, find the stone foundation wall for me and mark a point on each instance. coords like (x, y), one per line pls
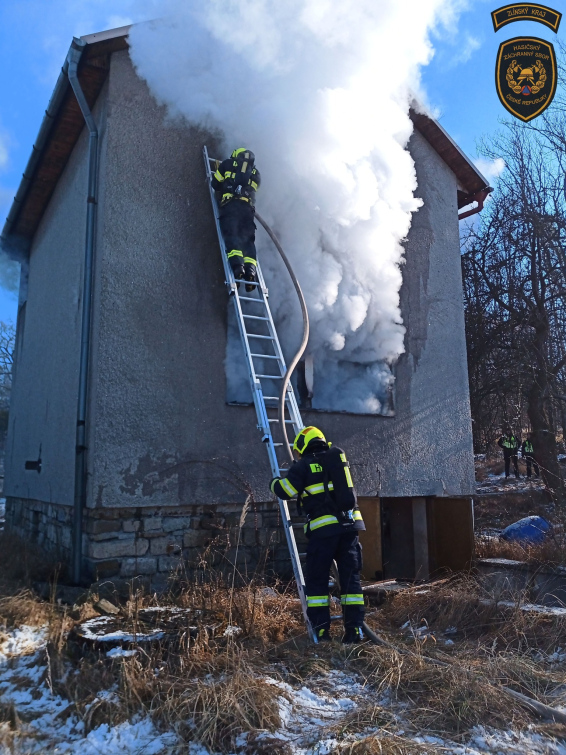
(153, 542)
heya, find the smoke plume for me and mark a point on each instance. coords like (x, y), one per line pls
(320, 91)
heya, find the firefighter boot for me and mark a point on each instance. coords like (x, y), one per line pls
(250, 275)
(353, 635)
(238, 274)
(323, 635)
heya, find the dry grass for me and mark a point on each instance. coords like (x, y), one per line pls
(21, 562)
(461, 602)
(484, 467)
(389, 744)
(208, 698)
(447, 699)
(551, 553)
(212, 689)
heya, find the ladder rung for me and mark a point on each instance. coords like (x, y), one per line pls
(336, 618)
(255, 317)
(264, 356)
(248, 283)
(257, 335)
(288, 421)
(278, 444)
(272, 377)
(250, 298)
(297, 526)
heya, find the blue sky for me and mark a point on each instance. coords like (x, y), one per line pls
(35, 36)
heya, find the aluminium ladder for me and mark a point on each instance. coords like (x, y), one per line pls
(262, 348)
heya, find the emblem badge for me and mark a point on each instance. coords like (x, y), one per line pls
(525, 76)
(526, 12)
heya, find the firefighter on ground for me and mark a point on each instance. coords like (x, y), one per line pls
(237, 179)
(510, 445)
(322, 483)
(528, 453)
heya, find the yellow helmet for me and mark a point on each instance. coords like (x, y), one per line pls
(305, 436)
(244, 154)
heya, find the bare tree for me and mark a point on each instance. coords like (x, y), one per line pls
(515, 272)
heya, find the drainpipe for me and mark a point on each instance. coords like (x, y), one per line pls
(73, 59)
(479, 197)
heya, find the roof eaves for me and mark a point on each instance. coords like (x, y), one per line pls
(468, 175)
(57, 136)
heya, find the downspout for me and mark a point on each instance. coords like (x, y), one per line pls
(479, 197)
(73, 59)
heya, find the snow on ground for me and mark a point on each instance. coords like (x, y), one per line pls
(45, 726)
(485, 740)
(497, 483)
(48, 723)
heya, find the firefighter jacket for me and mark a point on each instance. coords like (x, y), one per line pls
(322, 483)
(509, 444)
(236, 179)
(527, 448)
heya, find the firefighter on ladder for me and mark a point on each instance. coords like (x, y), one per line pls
(237, 179)
(322, 483)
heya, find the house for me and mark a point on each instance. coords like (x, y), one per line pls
(122, 451)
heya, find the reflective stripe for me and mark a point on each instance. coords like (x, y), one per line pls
(235, 253)
(287, 487)
(318, 488)
(352, 600)
(245, 167)
(317, 600)
(253, 185)
(358, 516)
(343, 458)
(322, 521)
(348, 477)
(528, 447)
(273, 484)
(218, 176)
(250, 261)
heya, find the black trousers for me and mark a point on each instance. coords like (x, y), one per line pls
(508, 464)
(238, 231)
(346, 550)
(530, 459)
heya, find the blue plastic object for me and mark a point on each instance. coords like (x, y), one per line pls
(530, 531)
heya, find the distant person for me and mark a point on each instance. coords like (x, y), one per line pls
(510, 445)
(238, 180)
(528, 454)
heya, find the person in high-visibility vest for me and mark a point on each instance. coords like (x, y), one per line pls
(237, 179)
(510, 445)
(322, 483)
(528, 454)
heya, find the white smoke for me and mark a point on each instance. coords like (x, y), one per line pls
(320, 91)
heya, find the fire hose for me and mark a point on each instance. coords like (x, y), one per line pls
(289, 453)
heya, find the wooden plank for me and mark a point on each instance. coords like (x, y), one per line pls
(450, 534)
(371, 538)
